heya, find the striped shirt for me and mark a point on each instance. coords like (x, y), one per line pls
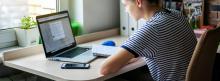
(167, 41)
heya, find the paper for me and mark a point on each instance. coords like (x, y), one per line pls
(105, 51)
(57, 30)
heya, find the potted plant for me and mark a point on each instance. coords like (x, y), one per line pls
(27, 34)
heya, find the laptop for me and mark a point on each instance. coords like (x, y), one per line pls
(58, 40)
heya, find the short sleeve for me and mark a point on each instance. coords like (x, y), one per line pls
(143, 43)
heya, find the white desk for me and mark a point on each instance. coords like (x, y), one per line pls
(32, 60)
(39, 65)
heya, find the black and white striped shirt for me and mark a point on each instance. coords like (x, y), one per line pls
(167, 41)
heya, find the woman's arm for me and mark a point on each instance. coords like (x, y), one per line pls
(115, 62)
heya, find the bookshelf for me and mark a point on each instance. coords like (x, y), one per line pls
(193, 9)
(213, 12)
(173, 4)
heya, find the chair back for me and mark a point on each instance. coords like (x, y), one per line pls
(202, 61)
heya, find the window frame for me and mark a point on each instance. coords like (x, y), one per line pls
(12, 28)
(57, 9)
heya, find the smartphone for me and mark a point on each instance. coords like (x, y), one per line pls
(75, 66)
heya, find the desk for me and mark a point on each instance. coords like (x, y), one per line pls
(36, 63)
(32, 60)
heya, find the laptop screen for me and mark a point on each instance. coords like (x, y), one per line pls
(56, 33)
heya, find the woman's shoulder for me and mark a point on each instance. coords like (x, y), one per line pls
(167, 16)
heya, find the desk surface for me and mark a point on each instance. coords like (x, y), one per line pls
(39, 65)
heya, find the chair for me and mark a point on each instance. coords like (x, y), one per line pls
(216, 69)
(202, 61)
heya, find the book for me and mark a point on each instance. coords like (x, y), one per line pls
(199, 32)
(124, 19)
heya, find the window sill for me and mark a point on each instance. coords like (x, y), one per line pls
(7, 49)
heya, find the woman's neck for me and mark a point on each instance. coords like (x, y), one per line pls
(148, 13)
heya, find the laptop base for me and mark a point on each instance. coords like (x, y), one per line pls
(85, 57)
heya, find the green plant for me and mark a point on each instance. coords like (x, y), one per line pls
(27, 23)
(76, 28)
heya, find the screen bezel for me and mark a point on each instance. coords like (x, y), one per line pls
(50, 54)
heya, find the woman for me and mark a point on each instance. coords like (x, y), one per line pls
(166, 40)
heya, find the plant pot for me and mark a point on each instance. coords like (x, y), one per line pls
(27, 37)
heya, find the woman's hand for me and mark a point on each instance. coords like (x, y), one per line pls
(115, 62)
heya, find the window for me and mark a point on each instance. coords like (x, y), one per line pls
(13, 10)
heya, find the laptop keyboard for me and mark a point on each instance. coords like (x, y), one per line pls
(74, 52)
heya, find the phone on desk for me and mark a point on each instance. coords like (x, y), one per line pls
(75, 66)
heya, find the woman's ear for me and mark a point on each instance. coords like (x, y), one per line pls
(139, 3)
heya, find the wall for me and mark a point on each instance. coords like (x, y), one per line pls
(76, 10)
(95, 15)
(63, 5)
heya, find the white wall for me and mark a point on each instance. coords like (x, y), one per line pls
(63, 5)
(76, 10)
(96, 15)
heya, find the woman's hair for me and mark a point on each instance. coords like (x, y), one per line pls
(154, 1)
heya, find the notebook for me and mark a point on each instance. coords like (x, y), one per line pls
(104, 51)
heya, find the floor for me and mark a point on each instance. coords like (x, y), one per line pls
(23, 77)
